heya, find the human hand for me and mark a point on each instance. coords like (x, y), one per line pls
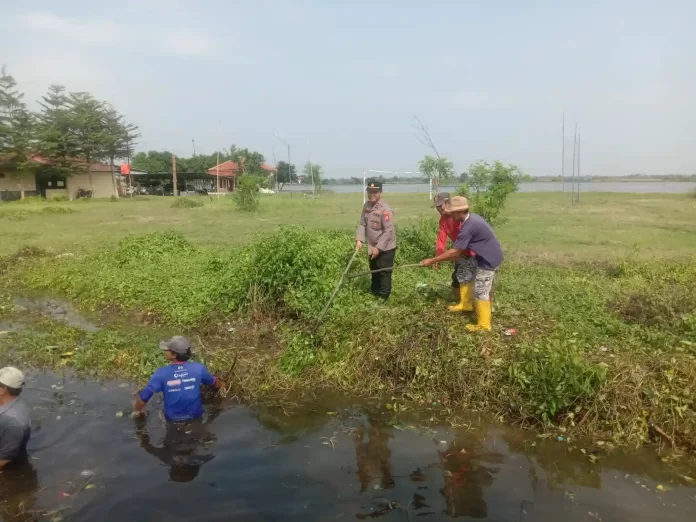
(427, 262)
(358, 246)
(374, 253)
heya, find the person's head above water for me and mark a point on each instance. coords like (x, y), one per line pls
(178, 348)
(11, 384)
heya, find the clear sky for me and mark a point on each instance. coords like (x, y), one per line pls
(342, 80)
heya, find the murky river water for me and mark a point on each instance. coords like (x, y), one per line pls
(330, 461)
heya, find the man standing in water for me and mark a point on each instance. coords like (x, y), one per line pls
(377, 228)
(15, 423)
(479, 236)
(180, 382)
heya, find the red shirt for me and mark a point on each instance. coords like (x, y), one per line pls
(449, 228)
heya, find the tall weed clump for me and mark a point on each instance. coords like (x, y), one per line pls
(296, 269)
(247, 196)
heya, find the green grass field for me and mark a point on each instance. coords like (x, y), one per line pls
(539, 225)
(600, 295)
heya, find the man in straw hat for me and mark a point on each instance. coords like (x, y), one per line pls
(15, 423)
(377, 228)
(479, 236)
(449, 228)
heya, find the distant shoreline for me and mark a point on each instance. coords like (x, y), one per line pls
(543, 180)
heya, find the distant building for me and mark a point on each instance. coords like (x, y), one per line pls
(49, 185)
(228, 171)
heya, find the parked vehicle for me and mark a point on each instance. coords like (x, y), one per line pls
(183, 189)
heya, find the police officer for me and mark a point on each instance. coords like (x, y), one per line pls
(377, 228)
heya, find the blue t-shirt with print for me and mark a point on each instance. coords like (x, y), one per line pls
(180, 382)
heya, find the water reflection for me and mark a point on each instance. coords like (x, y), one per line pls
(18, 486)
(372, 454)
(333, 462)
(465, 476)
(185, 448)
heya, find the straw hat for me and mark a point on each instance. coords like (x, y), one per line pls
(456, 204)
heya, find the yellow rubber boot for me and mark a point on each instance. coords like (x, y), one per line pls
(483, 316)
(466, 292)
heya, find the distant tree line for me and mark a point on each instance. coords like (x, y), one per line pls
(250, 164)
(70, 131)
(249, 161)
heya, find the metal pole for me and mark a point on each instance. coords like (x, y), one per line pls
(174, 191)
(364, 188)
(430, 189)
(563, 154)
(130, 172)
(575, 142)
(578, 199)
(311, 171)
(275, 164)
(217, 175)
(289, 169)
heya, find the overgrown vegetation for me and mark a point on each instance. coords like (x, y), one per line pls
(589, 354)
(247, 196)
(488, 187)
(187, 202)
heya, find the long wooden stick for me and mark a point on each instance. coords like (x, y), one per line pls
(338, 287)
(414, 265)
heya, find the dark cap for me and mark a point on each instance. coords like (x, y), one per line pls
(440, 199)
(373, 184)
(177, 344)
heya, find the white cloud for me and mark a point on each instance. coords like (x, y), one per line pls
(187, 43)
(105, 33)
(90, 32)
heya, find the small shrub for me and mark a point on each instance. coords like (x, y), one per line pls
(247, 195)
(55, 209)
(113, 198)
(187, 203)
(16, 215)
(62, 197)
(29, 199)
(488, 187)
(27, 252)
(553, 378)
(417, 240)
(152, 247)
(300, 354)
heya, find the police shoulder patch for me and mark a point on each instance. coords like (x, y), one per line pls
(387, 215)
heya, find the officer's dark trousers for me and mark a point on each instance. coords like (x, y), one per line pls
(382, 281)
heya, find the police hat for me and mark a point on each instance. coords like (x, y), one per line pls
(375, 185)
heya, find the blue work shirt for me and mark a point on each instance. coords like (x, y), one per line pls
(180, 382)
(478, 235)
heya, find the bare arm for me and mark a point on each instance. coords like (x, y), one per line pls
(449, 255)
(140, 406)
